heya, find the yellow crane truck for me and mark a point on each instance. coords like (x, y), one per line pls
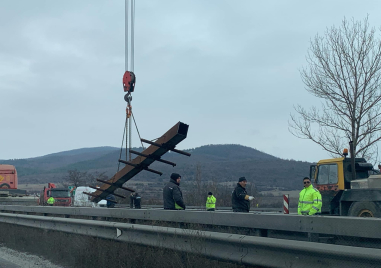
(342, 195)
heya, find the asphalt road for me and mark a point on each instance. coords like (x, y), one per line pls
(6, 264)
(10, 258)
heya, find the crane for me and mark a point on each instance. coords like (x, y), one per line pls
(154, 152)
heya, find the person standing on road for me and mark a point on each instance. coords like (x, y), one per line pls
(172, 195)
(135, 199)
(210, 202)
(132, 200)
(310, 201)
(240, 198)
(51, 201)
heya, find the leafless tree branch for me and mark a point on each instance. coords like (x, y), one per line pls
(344, 71)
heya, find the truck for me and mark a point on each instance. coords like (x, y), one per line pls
(62, 196)
(346, 196)
(83, 200)
(9, 181)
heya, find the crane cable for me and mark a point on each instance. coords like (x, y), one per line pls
(129, 114)
(132, 34)
(137, 129)
(133, 61)
(121, 147)
(132, 70)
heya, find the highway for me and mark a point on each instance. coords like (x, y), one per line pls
(7, 264)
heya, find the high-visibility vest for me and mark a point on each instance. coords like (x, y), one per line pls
(210, 202)
(51, 201)
(177, 206)
(310, 201)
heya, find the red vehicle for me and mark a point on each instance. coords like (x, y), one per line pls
(8, 177)
(61, 196)
(9, 181)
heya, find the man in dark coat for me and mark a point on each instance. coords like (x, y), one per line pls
(135, 199)
(172, 195)
(240, 198)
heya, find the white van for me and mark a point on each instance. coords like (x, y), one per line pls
(83, 200)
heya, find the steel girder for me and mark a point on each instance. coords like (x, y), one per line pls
(167, 142)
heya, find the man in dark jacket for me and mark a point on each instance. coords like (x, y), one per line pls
(172, 195)
(240, 198)
(135, 199)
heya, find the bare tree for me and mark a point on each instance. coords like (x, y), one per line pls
(199, 186)
(75, 178)
(344, 71)
(91, 178)
(196, 194)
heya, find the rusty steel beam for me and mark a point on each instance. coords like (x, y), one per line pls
(165, 143)
(141, 167)
(121, 196)
(154, 158)
(165, 146)
(121, 187)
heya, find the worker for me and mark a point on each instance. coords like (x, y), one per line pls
(240, 198)
(210, 202)
(310, 201)
(109, 200)
(135, 199)
(132, 199)
(51, 201)
(172, 195)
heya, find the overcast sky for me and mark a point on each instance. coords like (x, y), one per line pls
(229, 69)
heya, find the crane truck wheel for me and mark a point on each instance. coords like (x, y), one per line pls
(365, 209)
(5, 186)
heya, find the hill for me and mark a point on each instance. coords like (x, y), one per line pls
(220, 163)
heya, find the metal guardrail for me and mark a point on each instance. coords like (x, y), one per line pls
(276, 210)
(21, 201)
(248, 250)
(330, 225)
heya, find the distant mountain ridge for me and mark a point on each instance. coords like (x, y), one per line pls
(216, 162)
(83, 151)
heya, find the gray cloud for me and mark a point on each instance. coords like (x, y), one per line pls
(228, 69)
